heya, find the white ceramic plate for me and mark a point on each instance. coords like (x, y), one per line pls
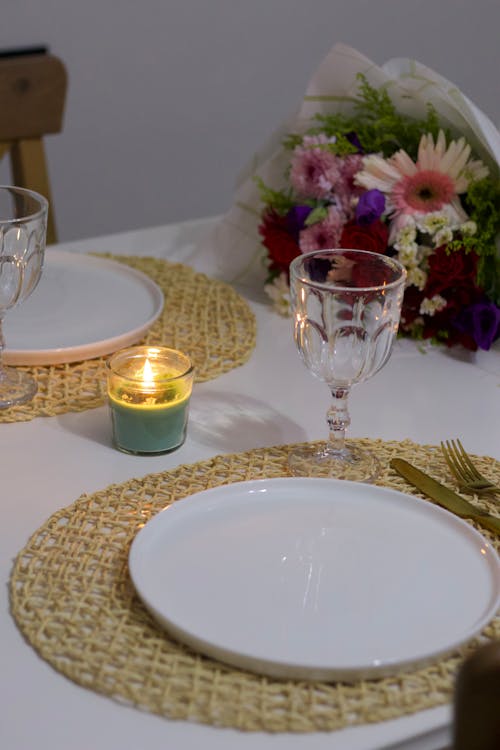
(82, 307)
(315, 578)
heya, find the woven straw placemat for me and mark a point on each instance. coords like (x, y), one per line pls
(201, 316)
(72, 597)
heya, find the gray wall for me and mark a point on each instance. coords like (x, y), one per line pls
(168, 98)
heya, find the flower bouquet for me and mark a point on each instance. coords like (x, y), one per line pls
(393, 160)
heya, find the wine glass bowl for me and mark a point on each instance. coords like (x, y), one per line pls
(23, 222)
(346, 306)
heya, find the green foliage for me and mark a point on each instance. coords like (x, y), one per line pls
(279, 200)
(377, 123)
(483, 207)
(291, 141)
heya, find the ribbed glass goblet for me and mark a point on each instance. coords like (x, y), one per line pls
(23, 222)
(346, 306)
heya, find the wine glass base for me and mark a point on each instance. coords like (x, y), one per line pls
(16, 387)
(351, 463)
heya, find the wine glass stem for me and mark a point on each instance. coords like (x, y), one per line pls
(338, 419)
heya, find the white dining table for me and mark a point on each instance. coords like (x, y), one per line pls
(47, 463)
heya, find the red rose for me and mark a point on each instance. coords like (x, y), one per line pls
(281, 245)
(373, 237)
(450, 268)
(410, 309)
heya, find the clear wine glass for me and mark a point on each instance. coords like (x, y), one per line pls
(23, 222)
(346, 306)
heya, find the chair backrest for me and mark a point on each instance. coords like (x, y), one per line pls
(476, 724)
(32, 99)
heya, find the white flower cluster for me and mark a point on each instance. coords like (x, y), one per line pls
(411, 254)
(415, 241)
(432, 305)
(279, 293)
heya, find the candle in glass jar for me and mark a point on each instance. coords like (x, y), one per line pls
(149, 388)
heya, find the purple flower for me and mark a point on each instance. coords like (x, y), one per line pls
(370, 207)
(352, 137)
(295, 220)
(481, 321)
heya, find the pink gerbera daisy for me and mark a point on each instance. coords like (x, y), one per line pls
(432, 183)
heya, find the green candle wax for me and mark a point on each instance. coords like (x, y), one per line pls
(149, 428)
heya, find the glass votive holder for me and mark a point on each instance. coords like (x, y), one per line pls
(149, 388)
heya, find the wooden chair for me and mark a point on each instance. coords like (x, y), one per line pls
(32, 98)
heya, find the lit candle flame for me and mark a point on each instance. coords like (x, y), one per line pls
(147, 374)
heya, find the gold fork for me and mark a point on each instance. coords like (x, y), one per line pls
(462, 468)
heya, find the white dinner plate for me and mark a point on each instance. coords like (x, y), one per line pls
(315, 578)
(83, 307)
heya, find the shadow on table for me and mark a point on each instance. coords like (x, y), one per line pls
(235, 422)
(226, 422)
(93, 424)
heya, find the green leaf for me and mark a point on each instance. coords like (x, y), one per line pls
(279, 200)
(317, 214)
(378, 125)
(483, 206)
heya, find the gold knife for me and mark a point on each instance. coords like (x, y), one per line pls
(443, 495)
